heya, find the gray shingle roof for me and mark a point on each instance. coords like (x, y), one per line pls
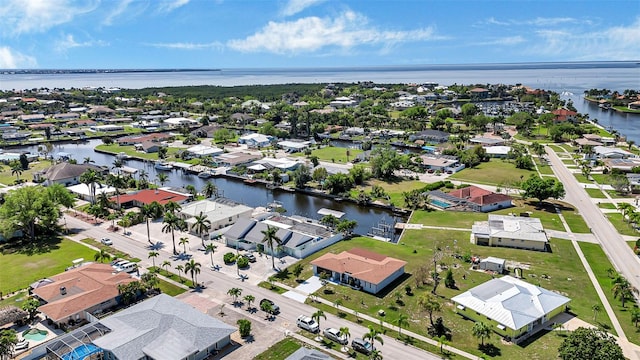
(240, 229)
(308, 354)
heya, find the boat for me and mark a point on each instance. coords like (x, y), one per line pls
(205, 175)
(250, 181)
(605, 106)
(122, 156)
(163, 166)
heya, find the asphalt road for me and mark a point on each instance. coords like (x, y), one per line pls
(217, 285)
(614, 245)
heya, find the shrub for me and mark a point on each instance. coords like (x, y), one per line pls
(242, 262)
(244, 326)
(229, 258)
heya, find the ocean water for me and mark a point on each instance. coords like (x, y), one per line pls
(569, 78)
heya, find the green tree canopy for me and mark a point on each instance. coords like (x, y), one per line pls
(589, 344)
(542, 189)
(384, 161)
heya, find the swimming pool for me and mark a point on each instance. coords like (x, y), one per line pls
(35, 334)
(81, 352)
(440, 204)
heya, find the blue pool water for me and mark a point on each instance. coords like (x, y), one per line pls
(34, 334)
(440, 204)
(81, 352)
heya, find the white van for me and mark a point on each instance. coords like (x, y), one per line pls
(128, 267)
(116, 265)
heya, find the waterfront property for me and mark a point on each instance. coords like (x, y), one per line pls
(299, 237)
(360, 268)
(66, 173)
(514, 308)
(73, 295)
(510, 231)
(256, 140)
(221, 212)
(431, 136)
(470, 198)
(147, 196)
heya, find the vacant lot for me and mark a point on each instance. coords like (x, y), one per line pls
(494, 172)
(7, 177)
(334, 154)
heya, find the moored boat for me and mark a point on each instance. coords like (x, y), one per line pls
(163, 166)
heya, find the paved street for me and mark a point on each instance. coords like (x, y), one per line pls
(217, 283)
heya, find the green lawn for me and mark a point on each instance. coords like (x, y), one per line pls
(600, 178)
(494, 172)
(280, 350)
(334, 154)
(131, 151)
(581, 178)
(575, 221)
(556, 148)
(614, 194)
(393, 189)
(568, 161)
(563, 270)
(621, 225)
(545, 169)
(599, 263)
(7, 178)
(606, 205)
(169, 288)
(595, 193)
(22, 265)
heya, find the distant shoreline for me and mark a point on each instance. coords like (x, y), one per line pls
(97, 71)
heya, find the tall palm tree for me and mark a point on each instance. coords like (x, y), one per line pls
(172, 207)
(153, 255)
(147, 212)
(481, 331)
(373, 335)
(117, 182)
(90, 178)
(165, 265)
(234, 293)
(430, 304)
(162, 178)
(596, 309)
(143, 178)
(209, 189)
(8, 339)
(346, 333)
(211, 249)
(193, 268)
(171, 223)
(271, 238)
(317, 315)
(102, 255)
(180, 269)
(202, 225)
(622, 289)
(375, 355)
(401, 321)
(16, 169)
(249, 299)
(184, 241)
(87, 160)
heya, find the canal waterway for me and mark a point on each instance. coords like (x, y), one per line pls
(252, 195)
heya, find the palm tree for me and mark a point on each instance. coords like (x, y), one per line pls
(623, 289)
(162, 178)
(270, 238)
(429, 304)
(87, 160)
(625, 209)
(635, 316)
(317, 315)
(153, 255)
(193, 268)
(442, 340)
(373, 335)
(234, 293)
(102, 255)
(143, 178)
(171, 223)
(184, 241)
(180, 269)
(172, 207)
(90, 178)
(165, 265)
(16, 169)
(202, 225)
(267, 308)
(117, 182)
(402, 320)
(345, 331)
(375, 355)
(209, 189)
(211, 249)
(249, 299)
(147, 212)
(481, 331)
(596, 309)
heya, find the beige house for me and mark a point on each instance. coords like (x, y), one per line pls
(510, 231)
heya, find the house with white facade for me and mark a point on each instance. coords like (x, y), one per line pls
(510, 231)
(221, 212)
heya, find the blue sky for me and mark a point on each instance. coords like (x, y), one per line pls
(70, 34)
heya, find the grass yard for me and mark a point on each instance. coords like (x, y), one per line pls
(280, 350)
(575, 221)
(581, 178)
(606, 205)
(494, 172)
(614, 194)
(334, 154)
(568, 148)
(568, 161)
(131, 151)
(621, 225)
(601, 178)
(562, 269)
(545, 169)
(22, 265)
(556, 148)
(7, 178)
(169, 288)
(595, 193)
(600, 265)
(393, 189)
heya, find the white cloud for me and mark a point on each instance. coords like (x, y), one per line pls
(509, 40)
(295, 6)
(310, 34)
(615, 43)
(551, 21)
(28, 16)
(68, 42)
(170, 5)
(189, 46)
(10, 59)
(118, 10)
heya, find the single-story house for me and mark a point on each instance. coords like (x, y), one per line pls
(106, 128)
(635, 105)
(343, 102)
(255, 140)
(220, 212)
(582, 142)
(440, 162)
(605, 152)
(634, 182)
(66, 173)
(148, 147)
(360, 268)
(181, 121)
(82, 191)
(514, 308)
(78, 292)
(162, 327)
(300, 237)
(66, 116)
(293, 146)
(479, 199)
(562, 115)
(493, 264)
(624, 165)
(204, 150)
(510, 231)
(31, 118)
(499, 152)
(235, 159)
(433, 136)
(147, 196)
(305, 353)
(487, 141)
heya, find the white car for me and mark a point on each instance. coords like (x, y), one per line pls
(307, 323)
(334, 334)
(106, 241)
(24, 344)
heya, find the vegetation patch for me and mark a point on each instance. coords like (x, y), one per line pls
(169, 288)
(623, 227)
(595, 193)
(606, 205)
(280, 350)
(494, 172)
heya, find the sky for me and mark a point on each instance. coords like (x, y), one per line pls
(224, 34)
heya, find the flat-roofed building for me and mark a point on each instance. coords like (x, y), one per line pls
(510, 231)
(220, 212)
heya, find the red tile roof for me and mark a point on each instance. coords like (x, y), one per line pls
(148, 196)
(86, 287)
(480, 196)
(361, 264)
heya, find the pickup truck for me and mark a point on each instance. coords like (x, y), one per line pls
(307, 323)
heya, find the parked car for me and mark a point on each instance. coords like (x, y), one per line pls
(307, 323)
(362, 346)
(24, 344)
(275, 309)
(106, 241)
(250, 257)
(334, 334)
